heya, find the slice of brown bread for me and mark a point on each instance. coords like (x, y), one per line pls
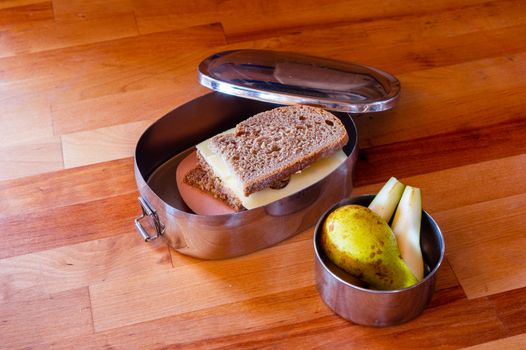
(270, 146)
(200, 178)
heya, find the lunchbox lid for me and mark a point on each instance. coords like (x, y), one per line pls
(293, 78)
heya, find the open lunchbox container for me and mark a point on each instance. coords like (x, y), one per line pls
(246, 82)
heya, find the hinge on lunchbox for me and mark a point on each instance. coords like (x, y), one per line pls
(148, 212)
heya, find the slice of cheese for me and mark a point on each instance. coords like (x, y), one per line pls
(303, 179)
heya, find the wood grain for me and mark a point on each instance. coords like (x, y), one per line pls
(25, 119)
(471, 229)
(476, 182)
(477, 324)
(84, 184)
(267, 17)
(81, 79)
(277, 309)
(152, 97)
(35, 36)
(246, 319)
(105, 62)
(37, 156)
(100, 145)
(24, 233)
(426, 105)
(70, 312)
(21, 13)
(516, 342)
(510, 308)
(10, 4)
(199, 286)
(79, 265)
(458, 148)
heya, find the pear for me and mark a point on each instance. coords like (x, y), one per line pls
(385, 201)
(360, 242)
(406, 228)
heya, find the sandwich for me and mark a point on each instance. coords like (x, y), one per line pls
(269, 156)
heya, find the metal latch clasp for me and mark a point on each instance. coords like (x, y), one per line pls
(148, 212)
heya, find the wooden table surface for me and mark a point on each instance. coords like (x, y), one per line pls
(80, 81)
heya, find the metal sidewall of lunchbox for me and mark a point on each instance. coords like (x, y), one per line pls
(226, 236)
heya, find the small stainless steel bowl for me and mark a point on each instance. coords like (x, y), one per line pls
(352, 300)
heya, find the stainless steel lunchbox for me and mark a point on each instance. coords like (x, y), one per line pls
(247, 82)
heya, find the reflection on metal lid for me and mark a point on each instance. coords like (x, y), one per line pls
(290, 78)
